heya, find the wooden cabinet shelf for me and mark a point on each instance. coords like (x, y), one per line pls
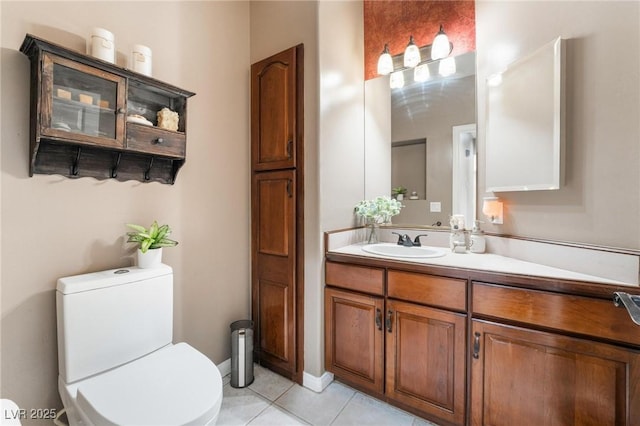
(91, 118)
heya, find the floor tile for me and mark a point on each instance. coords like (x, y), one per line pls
(364, 410)
(273, 416)
(319, 409)
(269, 384)
(240, 406)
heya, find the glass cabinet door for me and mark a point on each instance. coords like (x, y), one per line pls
(81, 103)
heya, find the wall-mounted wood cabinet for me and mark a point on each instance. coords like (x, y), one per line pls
(93, 118)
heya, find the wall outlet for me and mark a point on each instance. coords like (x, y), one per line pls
(435, 207)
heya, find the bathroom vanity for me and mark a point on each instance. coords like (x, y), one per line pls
(465, 345)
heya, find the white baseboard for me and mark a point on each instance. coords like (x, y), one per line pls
(225, 367)
(309, 381)
(316, 384)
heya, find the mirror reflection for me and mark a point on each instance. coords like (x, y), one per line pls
(433, 145)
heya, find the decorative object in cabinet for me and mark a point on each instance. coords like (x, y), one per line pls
(93, 118)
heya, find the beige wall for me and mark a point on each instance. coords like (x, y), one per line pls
(341, 127)
(54, 226)
(600, 201)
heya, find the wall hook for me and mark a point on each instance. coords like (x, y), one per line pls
(114, 169)
(146, 173)
(74, 166)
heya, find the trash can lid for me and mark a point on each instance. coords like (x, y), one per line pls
(237, 325)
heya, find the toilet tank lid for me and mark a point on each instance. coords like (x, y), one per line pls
(110, 278)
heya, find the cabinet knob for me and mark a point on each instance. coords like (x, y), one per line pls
(158, 141)
(121, 111)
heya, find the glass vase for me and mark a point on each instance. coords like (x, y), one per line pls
(372, 233)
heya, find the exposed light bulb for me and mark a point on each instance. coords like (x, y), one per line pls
(440, 47)
(385, 61)
(397, 80)
(447, 67)
(411, 54)
(421, 73)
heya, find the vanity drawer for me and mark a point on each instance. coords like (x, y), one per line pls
(432, 290)
(155, 141)
(574, 314)
(358, 278)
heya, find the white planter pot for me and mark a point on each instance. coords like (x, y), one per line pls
(150, 259)
(400, 197)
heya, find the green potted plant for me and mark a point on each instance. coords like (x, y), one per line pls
(151, 241)
(399, 192)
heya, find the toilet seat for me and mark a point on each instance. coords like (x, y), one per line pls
(176, 385)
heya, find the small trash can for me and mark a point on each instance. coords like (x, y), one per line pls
(241, 353)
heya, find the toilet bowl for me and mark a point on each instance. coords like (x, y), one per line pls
(117, 363)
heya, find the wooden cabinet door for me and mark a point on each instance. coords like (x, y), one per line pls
(80, 103)
(354, 338)
(425, 359)
(274, 110)
(528, 377)
(274, 269)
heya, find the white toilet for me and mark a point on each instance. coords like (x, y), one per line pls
(117, 362)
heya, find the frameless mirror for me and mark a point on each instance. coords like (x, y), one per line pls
(428, 142)
(524, 139)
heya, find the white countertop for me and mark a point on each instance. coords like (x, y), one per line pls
(484, 262)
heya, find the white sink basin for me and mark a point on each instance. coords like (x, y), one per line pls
(394, 250)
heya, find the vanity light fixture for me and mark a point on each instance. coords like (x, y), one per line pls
(421, 73)
(492, 208)
(440, 46)
(417, 58)
(396, 81)
(411, 54)
(385, 62)
(447, 67)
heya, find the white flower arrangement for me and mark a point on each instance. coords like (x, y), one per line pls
(379, 210)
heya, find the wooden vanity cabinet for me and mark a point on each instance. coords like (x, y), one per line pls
(551, 359)
(354, 338)
(93, 118)
(425, 359)
(379, 339)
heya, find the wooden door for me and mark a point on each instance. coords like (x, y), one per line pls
(274, 269)
(425, 359)
(274, 131)
(354, 338)
(528, 377)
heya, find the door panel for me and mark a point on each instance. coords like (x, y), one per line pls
(274, 269)
(273, 109)
(565, 381)
(354, 338)
(426, 359)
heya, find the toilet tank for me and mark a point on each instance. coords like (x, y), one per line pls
(106, 319)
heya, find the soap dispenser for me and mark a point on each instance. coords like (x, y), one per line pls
(478, 242)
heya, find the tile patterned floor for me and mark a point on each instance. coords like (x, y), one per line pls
(272, 400)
